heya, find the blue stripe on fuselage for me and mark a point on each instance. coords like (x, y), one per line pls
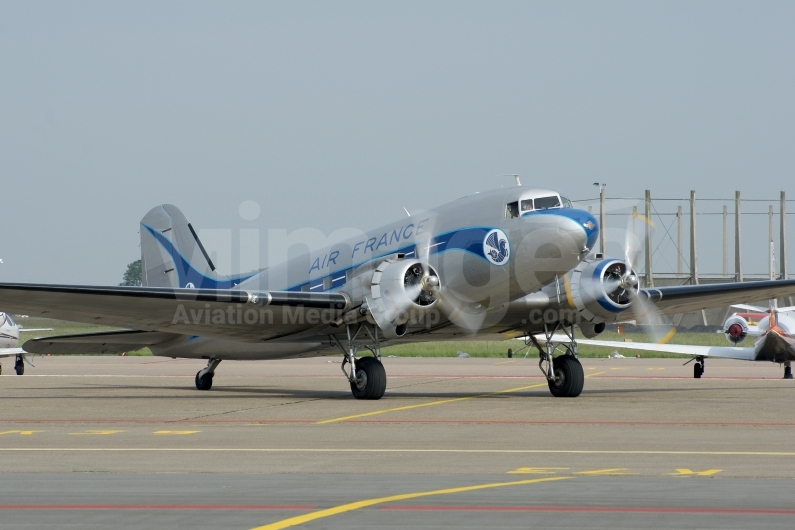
(583, 218)
(187, 273)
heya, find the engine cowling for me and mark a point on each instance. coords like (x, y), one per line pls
(398, 296)
(594, 290)
(735, 328)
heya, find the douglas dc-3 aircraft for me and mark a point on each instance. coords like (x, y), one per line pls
(506, 263)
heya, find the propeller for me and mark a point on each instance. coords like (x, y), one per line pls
(627, 284)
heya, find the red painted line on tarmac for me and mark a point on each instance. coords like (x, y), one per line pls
(154, 507)
(88, 421)
(606, 423)
(598, 509)
(398, 421)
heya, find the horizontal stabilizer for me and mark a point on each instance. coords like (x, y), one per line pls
(102, 342)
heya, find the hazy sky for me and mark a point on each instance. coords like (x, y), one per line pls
(338, 114)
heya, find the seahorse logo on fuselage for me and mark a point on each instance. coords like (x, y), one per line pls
(496, 247)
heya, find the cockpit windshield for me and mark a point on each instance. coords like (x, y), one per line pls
(545, 203)
(10, 320)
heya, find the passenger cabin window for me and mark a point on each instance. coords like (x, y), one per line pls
(527, 205)
(544, 203)
(512, 210)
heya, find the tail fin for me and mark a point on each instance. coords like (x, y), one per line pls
(173, 256)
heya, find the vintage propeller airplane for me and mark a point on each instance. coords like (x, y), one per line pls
(502, 264)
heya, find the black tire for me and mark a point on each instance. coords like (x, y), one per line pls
(569, 377)
(698, 370)
(510, 353)
(19, 367)
(787, 372)
(370, 379)
(205, 382)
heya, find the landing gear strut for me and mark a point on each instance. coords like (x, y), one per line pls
(19, 365)
(698, 368)
(366, 376)
(787, 370)
(204, 377)
(564, 373)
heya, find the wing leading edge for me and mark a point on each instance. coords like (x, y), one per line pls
(249, 316)
(686, 298)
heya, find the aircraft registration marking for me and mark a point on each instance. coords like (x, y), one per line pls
(336, 510)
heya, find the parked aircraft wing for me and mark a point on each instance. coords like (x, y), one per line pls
(685, 298)
(727, 352)
(227, 314)
(116, 341)
(5, 352)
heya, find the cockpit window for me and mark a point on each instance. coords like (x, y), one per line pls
(566, 202)
(512, 210)
(543, 203)
(527, 205)
(10, 320)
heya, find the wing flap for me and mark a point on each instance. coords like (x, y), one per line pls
(102, 342)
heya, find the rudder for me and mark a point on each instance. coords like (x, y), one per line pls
(172, 254)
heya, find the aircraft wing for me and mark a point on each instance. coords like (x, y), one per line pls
(685, 298)
(116, 341)
(5, 352)
(226, 314)
(726, 352)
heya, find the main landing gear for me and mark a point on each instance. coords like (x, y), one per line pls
(564, 373)
(699, 367)
(204, 377)
(366, 376)
(787, 370)
(19, 365)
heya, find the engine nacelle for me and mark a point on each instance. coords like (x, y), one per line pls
(595, 291)
(735, 328)
(398, 296)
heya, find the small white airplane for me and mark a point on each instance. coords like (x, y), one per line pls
(9, 338)
(775, 343)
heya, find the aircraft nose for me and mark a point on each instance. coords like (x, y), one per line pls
(587, 227)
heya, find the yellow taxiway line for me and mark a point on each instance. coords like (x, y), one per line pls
(386, 450)
(336, 510)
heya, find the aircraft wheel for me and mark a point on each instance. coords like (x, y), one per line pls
(510, 353)
(370, 379)
(19, 366)
(787, 372)
(697, 370)
(569, 377)
(204, 382)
